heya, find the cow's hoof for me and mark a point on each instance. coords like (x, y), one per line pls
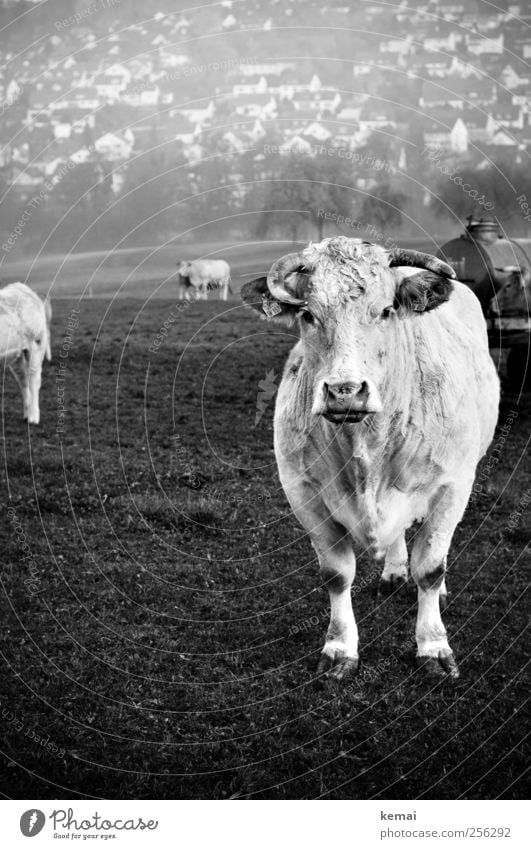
(443, 666)
(337, 666)
(388, 586)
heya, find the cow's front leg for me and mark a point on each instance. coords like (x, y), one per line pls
(35, 378)
(394, 574)
(428, 565)
(339, 657)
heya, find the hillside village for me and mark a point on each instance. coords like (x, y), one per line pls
(104, 83)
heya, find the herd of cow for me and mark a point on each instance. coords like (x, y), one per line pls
(387, 403)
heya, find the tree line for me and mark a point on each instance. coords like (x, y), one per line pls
(263, 192)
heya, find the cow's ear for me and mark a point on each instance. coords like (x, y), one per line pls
(422, 292)
(256, 294)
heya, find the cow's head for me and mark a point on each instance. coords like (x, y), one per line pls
(513, 298)
(350, 297)
(183, 268)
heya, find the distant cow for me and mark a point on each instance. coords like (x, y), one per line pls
(25, 341)
(513, 295)
(386, 405)
(199, 276)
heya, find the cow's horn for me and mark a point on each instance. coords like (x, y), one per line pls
(277, 273)
(418, 259)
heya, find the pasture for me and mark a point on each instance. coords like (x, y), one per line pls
(162, 612)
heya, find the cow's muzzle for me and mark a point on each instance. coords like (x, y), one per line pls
(348, 401)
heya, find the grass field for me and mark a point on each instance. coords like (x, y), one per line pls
(149, 271)
(136, 272)
(162, 610)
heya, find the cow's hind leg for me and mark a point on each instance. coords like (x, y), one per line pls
(34, 375)
(25, 383)
(394, 574)
(428, 565)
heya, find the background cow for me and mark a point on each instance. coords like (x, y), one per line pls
(386, 405)
(202, 275)
(513, 298)
(25, 341)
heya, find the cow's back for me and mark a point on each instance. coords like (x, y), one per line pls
(20, 300)
(12, 337)
(22, 313)
(210, 269)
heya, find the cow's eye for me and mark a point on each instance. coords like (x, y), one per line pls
(307, 317)
(387, 312)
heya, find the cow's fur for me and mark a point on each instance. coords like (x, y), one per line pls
(201, 275)
(417, 342)
(25, 341)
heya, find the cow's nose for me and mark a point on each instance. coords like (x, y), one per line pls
(345, 392)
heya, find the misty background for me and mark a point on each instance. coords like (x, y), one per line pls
(126, 124)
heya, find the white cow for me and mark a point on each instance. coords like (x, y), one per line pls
(386, 405)
(25, 341)
(202, 275)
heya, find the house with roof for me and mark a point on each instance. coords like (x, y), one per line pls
(265, 68)
(198, 114)
(251, 85)
(451, 10)
(507, 115)
(142, 93)
(348, 135)
(115, 146)
(447, 133)
(233, 143)
(457, 92)
(229, 22)
(521, 96)
(443, 43)
(479, 44)
(350, 112)
(62, 129)
(503, 137)
(317, 101)
(296, 144)
(25, 180)
(424, 63)
(397, 46)
(374, 115)
(316, 132)
(85, 98)
(511, 79)
(478, 125)
(257, 131)
(262, 106)
(48, 96)
(111, 82)
(171, 57)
